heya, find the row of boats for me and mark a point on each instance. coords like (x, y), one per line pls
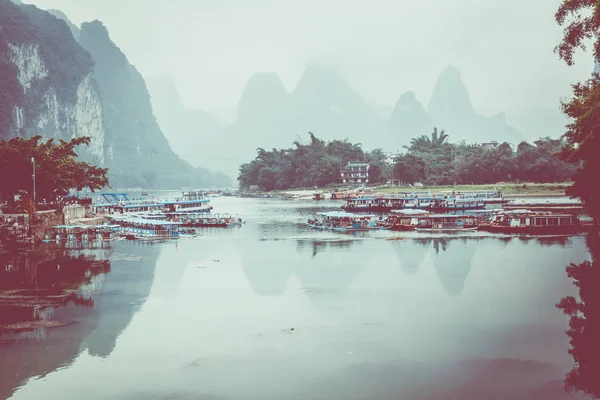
(147, 219)
(497, 221)
(440, 202)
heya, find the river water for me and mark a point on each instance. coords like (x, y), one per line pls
(273, 310)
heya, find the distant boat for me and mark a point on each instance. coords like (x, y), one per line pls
(318, 196)
(144, 193)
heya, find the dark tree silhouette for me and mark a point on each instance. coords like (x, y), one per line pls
(584, 323)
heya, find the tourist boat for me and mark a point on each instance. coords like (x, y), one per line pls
(145, 228)
(344, 222)
(534, 223)
(481, 216)
(455, 204)
(186, 206)
(119, 203)
(318, 196)
(374, 204)
(446, 223)
(404, 220)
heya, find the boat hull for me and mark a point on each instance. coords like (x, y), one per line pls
(535, 230)
(467, 229)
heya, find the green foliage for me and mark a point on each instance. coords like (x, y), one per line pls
(437, 162)
(315, 164)
(57, 168)
(581, 21)
(409, 168)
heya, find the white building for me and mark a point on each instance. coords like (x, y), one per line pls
(355, 173)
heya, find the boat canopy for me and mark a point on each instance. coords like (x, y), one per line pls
(448, 216)
(362, 198)
(185, 201)
(342, 214)
(149, 221)
(410, 211)
(112, 198)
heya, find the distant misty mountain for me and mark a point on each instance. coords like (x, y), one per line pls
(409, 119)
(323, 102)
(450, 109)
(189, 131)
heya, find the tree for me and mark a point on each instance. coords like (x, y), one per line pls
(424, 144)
(581, 21)
(57, 168)
(409, 169)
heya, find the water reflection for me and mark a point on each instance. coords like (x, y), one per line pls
(320, 245)
(584, 323)
(57, 302)
(372, 318)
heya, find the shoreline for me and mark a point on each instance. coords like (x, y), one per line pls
(532, 190)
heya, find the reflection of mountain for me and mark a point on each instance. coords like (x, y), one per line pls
(334, 270)
(317, 245)
(267, 273)
(124, 292)
(82, 296)
(453, 271)
(410, 256)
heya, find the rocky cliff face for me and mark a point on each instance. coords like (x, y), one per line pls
(46, 84)
(56, 87)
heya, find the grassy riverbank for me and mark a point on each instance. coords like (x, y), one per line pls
(527, 189)
(516, 190)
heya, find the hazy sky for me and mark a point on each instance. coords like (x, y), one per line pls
(504, 49)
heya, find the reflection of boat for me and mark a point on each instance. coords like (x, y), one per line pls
(444, 222)
(345, 222)
(210, 221)
(532, 223)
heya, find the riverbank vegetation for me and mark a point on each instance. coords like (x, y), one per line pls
(307, 165)
(429, 159)
(57, 169)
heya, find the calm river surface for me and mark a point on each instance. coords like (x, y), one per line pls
(273, 310)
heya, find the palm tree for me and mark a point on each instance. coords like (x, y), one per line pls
(424, 143)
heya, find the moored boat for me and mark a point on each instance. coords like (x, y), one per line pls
(344, 222)
(318, 196)
(527, 222)
(446, 223)
(404, 220)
